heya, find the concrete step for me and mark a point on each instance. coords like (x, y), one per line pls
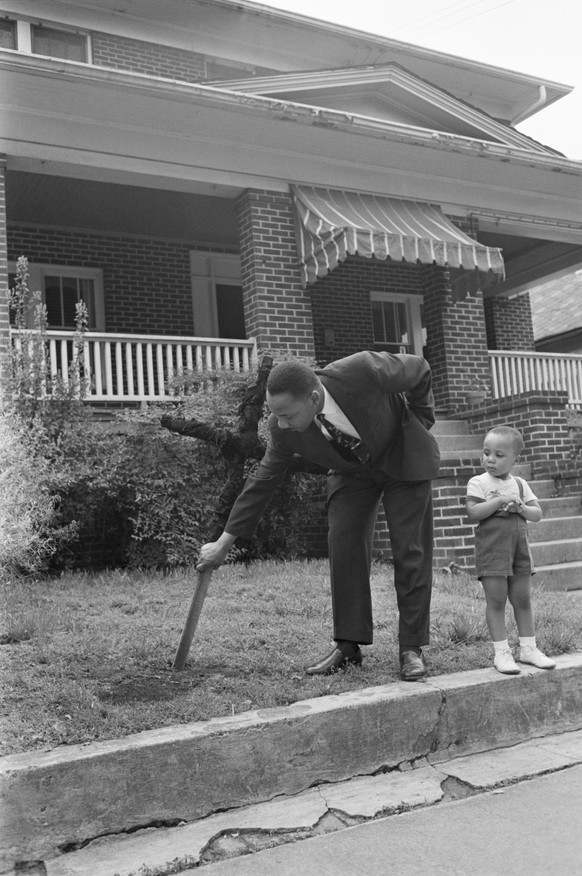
(566, 550)
(461, 444)
(560, 576)
(559, 506)
(555, 529)
(450, 427)
(543, 489)
(470, 457)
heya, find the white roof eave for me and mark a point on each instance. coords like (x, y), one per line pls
(280, 109)
(62, 111)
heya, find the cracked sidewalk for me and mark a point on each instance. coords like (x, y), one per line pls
(346, 758)
(320, 810)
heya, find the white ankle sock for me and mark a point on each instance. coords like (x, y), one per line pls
(527, 641)
(501, 646)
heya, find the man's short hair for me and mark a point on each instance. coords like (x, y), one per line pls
(512, 433)
(292, 376)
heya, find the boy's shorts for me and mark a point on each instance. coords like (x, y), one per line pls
(502, 547)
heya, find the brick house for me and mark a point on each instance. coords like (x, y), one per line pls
(215, 179)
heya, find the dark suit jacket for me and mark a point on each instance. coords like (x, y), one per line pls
(388, 399)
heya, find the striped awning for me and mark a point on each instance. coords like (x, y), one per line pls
(333, 224)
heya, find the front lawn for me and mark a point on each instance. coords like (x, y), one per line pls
(89, 656)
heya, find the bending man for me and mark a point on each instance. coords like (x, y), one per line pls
(366, 418)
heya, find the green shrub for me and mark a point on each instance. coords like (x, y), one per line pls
(30, 487)
(143, 497)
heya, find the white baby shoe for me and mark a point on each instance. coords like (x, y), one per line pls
(532, 655)
(504, 662)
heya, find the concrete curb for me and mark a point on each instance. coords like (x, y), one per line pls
(56, 801)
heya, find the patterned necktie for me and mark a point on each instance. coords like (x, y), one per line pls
(354, 446)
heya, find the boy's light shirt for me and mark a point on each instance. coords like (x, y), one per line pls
(485, 486)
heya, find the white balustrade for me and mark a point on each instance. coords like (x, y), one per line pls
(138, 368)
(124, 368)
(522, 371)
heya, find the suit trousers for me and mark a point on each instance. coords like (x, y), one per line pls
(353, 504)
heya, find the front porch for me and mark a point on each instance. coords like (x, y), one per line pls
(129, 368)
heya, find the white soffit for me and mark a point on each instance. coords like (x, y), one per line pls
(386, 93)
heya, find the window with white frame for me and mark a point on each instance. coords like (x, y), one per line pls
(7, 33)
(397, 322)
(54, 41)
(58, 43)
(62, 288)
(217, 298)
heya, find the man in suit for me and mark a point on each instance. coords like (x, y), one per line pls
(382, 406)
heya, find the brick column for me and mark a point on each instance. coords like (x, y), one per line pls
(4, 304)
(509, 323)
(277, 307)
(456, 342)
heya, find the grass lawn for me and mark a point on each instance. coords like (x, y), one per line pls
(88, 657)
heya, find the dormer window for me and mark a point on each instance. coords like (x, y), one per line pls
(56, 43)
(43, 39)
(7, 34)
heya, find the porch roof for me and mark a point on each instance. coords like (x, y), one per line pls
(332, 224)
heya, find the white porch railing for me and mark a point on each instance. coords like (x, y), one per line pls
(137, 368)
(513, 372)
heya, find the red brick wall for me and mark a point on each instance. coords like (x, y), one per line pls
(341, 303)
(509, 323)
(146, 281)
(153, 59)
(542, 420)
(277, 308)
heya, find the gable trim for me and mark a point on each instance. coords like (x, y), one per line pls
(388, 74)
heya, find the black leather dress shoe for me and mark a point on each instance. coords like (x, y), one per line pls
(412, 666)
(339, 658)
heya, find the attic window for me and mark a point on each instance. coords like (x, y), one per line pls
(7, 34)
(55, 43)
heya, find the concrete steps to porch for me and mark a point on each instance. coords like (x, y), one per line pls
(556, 541)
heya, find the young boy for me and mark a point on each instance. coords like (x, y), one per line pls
(502, 504)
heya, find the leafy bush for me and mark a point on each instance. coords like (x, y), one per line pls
(145, 497)
(29, 497)
(129, 493)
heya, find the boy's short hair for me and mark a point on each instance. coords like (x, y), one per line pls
(510, 432)
(292, 376)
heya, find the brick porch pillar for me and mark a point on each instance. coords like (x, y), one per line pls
(277, 307)
(456, 342)
(509, 323)
(4, 303)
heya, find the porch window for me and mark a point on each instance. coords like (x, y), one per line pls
(217, 299)
(62, 288)
(58, 43)
(7, 34)
(61, 296)
(397, 322)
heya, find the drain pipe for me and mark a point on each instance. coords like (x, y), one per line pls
(535, 106)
